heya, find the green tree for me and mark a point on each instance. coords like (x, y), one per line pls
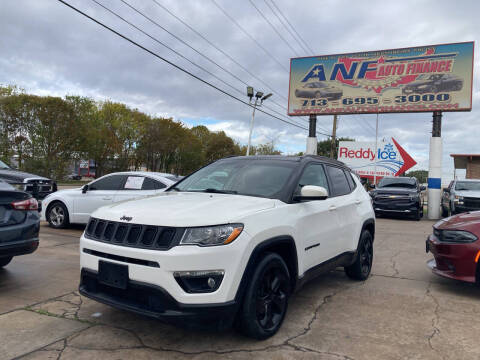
(421, 175)
(323, 147)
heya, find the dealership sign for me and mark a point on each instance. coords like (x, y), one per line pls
(419, 79)
(388, 159)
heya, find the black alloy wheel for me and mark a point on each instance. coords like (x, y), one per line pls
(266, 299)
(361, 268)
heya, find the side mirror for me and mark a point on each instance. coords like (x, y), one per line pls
(371, 186)
(312, 192)
(84, 188)
(423, 188)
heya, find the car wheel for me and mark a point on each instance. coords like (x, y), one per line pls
(266, 299)
(360, 269)
(4, 261)
(57, 215)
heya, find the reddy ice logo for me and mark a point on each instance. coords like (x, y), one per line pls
(383, 72)
(389, 159)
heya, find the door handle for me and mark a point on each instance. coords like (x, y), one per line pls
(332, 208)
(358, 202)
(107, 198)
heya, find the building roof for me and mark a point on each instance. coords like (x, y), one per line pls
(460, 161)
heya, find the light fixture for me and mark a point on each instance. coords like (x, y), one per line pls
(259, 94)
(266, 96)
(250, 92)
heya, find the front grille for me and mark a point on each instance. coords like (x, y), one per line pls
(472, 202)
(133, 235)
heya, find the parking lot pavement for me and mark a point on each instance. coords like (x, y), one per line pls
(402, 311)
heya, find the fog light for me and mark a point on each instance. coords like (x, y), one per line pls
(199, 281)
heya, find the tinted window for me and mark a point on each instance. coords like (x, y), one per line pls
(112, 182)
(313, 175)
(150, 184)
(338, 181)
(350, 180)
(467, 185)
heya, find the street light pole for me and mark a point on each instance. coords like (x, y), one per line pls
(251, 126)
(258, 96)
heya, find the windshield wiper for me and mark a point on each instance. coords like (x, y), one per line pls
(217, 191)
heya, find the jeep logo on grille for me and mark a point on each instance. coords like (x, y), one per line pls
(126, 218)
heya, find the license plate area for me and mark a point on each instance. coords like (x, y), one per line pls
(111, 274)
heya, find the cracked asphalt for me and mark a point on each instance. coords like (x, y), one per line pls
(402, 311)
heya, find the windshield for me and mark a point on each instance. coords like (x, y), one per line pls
(467, 185)
(397, 182)
(3, 165)
(259, 178)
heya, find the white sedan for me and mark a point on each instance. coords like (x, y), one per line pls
(65, 207)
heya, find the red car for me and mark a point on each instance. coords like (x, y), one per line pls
(456, 248)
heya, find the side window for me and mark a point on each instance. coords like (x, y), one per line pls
(112, 182)
(313, 174)
(338, 180)
(350, 180)
(150, 184)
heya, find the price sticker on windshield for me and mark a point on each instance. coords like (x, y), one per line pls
(134, 183)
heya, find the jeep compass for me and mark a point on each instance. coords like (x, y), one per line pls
(230, 243)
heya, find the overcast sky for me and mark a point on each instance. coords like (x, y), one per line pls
(48, 49)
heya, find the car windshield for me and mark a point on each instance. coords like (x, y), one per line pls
(261, 178)
(468, 185)
(3, 165)
(397, 182)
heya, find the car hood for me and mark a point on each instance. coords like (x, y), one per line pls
(469, 221)
(18, 176)
(468, 193)
(185, 209)
(395, 191)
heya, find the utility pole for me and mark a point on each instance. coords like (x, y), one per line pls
(334, 137)
(251, 126)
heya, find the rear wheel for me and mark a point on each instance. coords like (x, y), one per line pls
(266, 299)
(57, 215)
(360, 269)
(4, 261)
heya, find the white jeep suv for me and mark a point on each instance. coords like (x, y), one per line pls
(230, 242)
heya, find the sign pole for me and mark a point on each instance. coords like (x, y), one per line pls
(312, 135)
(333, 144)
(434, 194)
(251, 127)
(376, 153)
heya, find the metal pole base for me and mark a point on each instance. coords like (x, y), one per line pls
(311, 146)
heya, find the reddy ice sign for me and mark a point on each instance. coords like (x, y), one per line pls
(427, 78)
(390, 158)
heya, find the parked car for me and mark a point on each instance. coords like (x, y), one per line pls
(456, 248)
(74, 176)
(38, 186)
(75, 205)
(230, 242)
(398, 195)
(19, 223)
(434, 84)
(319, 89)
(461, 196)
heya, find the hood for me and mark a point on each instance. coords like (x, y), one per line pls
(390, 190)
(469, 221)
(185, 209)
(468, 193)
(10, 175)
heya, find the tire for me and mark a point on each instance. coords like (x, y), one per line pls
(4, 261)
(57, 215)
(361, 268)
(266, 298)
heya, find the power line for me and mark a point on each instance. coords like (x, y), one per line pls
(171, 63)
(176, 52)
(286, 27)
(273, 27)
(293, 28)
(250, 36)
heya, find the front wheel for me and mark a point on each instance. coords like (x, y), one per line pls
(4, 261)
(266, 299)
(57, 215)
(360, 269)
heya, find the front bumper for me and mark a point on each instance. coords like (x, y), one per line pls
(454, 261)
(401, 206)
(458, 209)
(156, 302)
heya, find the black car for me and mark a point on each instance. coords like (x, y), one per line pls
(398, 195)
(318, 90)
(19, 223)
(434, 84)
(38, 186)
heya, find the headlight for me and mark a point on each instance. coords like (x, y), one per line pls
(455, 236)
(211, 235)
